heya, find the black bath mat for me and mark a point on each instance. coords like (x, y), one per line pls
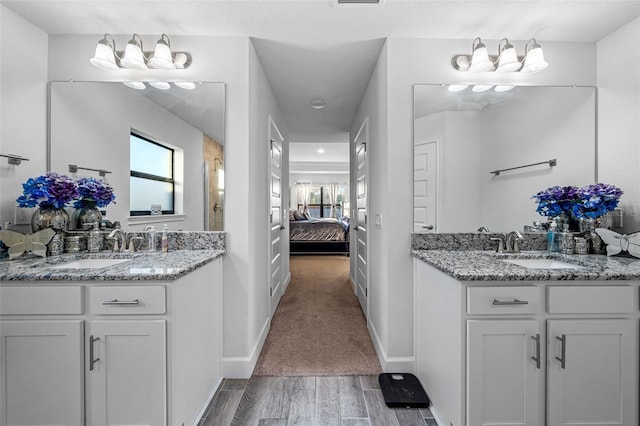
(403, 390)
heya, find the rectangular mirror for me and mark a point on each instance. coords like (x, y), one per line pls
(92, 126)
(460, 138)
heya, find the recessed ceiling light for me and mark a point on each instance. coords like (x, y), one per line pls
(318, 103)
(320, 150)
(138, 85)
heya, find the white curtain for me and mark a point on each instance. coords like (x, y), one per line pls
(333, 198)
(306, 197)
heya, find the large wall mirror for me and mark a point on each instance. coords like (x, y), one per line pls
(460, 138)
(91, 127)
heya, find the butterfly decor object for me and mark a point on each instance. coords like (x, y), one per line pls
(617, 243)
(35, 243)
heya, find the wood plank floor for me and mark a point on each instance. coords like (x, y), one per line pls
(307, 401)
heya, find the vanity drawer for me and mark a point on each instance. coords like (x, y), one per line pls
(503, 300)
(41, 300)
(605, 299)
(127, 300)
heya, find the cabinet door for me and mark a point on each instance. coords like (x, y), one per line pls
(126, 378)
(504, 379)
(41, 373)
(591, 372)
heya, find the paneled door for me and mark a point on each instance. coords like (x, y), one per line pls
(425, 185)
(276, 226)
(361, 228)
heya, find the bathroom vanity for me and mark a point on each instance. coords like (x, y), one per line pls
(88, 340)
(527, 339)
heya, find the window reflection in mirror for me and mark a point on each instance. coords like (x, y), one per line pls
(90, 126)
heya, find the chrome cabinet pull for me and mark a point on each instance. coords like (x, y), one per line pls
(536, 358)
(497, 302)
(92, 360)
(563, 351)
(429, 227)
(121, 302)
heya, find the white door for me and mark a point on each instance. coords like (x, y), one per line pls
(126, 373)
(362, 226)
(41, 373)
(425, 184)
(276, 226)
(592, 372)
(504, 376)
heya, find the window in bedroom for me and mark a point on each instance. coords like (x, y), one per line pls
(152, 176)
(319, 205)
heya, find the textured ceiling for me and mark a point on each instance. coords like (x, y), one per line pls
(317, 48)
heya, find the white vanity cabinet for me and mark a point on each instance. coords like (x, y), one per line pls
(527, 352)
(110, 353)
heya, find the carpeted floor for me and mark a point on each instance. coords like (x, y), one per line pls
(318, 328)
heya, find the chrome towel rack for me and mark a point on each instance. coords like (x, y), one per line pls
(74, 169)
(552, 163)
(14, 159)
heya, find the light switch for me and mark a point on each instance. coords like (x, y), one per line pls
(379, 220)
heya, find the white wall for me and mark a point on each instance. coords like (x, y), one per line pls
(23, 106)
(408, 62)
(90, 126)
(619, 117)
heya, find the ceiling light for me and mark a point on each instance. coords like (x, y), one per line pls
(162, 85)
(534, 59)
(480, 61)
(481, 88)
(133, 57)
(507, 59)
(320, 150)
(318, 104)
(105, 56)
(189, 85)
(454, 88)
(138, 85)
(503, 88)
(162, 58)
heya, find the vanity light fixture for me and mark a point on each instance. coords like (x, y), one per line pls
(162, 85)
(507, 60)
(188, 85)
(454, 88)
(138, 85)
(106, 56)
(479, 88)
(503, 88)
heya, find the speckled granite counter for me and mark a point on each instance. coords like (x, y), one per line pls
(147, 266)
(475, 265)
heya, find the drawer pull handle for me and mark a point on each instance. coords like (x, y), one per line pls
(121, 302)
(563, 351)
(92, 360)
(536, 358)
(497, 302)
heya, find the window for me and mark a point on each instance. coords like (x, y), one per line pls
(152, 176)
(319, 205)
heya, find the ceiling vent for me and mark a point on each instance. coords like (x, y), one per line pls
(358, 1)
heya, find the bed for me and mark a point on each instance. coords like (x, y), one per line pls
(319, 236)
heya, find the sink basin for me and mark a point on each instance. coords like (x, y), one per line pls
(543, 264)
(89, 263)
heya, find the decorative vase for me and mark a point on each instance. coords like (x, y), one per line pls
(50, 217)
(85, 217)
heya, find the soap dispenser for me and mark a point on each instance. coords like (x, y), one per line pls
(164, 242)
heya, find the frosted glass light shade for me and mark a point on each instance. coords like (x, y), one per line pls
(188, 85)
(138, 85)
(508, 61)
(162, 55)
(481, 88)
(480, 61)
(534, 61)
(133, 57)
(454, 88)
(104, 57)
(162, 85)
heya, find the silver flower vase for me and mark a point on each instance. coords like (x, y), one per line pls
(84, 218)
(50, 217)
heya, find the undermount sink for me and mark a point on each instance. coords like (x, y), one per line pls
(89, 263)
(543, 264)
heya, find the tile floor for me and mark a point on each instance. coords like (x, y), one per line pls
(307, 401)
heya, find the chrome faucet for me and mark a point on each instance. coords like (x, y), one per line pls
(119, 239)
(511, 242)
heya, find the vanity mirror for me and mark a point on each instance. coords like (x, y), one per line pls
(93, 125)
(462, 138)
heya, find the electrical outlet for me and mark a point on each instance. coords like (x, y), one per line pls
(23, 215)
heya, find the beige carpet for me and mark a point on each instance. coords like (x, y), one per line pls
(318, 328)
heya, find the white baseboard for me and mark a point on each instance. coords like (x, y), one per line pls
(390, 364)
(435, 416)
(287, 280)
(212, 393)
(241, 367)
(353, 283)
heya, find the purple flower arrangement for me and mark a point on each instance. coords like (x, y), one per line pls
(591, 201)
(55, 190)
(50, 190)
(93, 193)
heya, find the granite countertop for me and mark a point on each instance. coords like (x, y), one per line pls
(476, 265)
(142, 266)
